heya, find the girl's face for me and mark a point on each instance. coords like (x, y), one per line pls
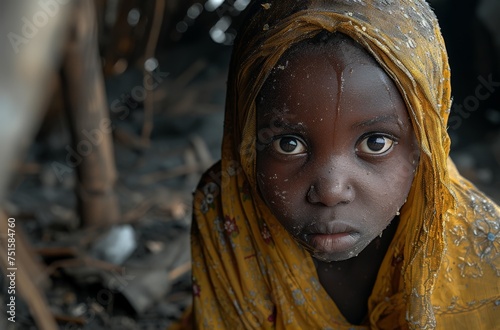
(336, 149)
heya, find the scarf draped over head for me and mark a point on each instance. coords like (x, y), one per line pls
(248, 272)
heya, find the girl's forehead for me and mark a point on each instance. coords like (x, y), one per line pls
(335, 78)
(320, 64)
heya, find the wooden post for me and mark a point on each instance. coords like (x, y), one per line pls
(92, 149)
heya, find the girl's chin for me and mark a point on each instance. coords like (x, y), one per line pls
(331, 257)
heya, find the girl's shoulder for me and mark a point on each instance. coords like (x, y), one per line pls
(474, 222)
(470, 269)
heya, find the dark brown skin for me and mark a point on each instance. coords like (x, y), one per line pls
(335, 161)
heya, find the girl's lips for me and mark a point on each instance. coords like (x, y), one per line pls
(330, 228)
(333, 243)
(331, 237)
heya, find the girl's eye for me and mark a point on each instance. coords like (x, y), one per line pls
(376, 144)
(289, 145)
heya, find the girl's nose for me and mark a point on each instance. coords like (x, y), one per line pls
(332, 186)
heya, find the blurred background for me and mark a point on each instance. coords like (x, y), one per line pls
(110, 111)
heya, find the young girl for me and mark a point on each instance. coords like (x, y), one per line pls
(335, 205)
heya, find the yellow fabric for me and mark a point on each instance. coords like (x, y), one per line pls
(442, 269)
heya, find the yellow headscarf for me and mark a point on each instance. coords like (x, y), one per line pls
(443, 266)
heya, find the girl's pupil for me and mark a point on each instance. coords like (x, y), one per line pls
(288, 144)
(376, 143)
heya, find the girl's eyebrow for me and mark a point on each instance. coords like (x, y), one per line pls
(285, 124)
(392, 118)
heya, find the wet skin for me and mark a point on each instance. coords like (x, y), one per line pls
(335, 162)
